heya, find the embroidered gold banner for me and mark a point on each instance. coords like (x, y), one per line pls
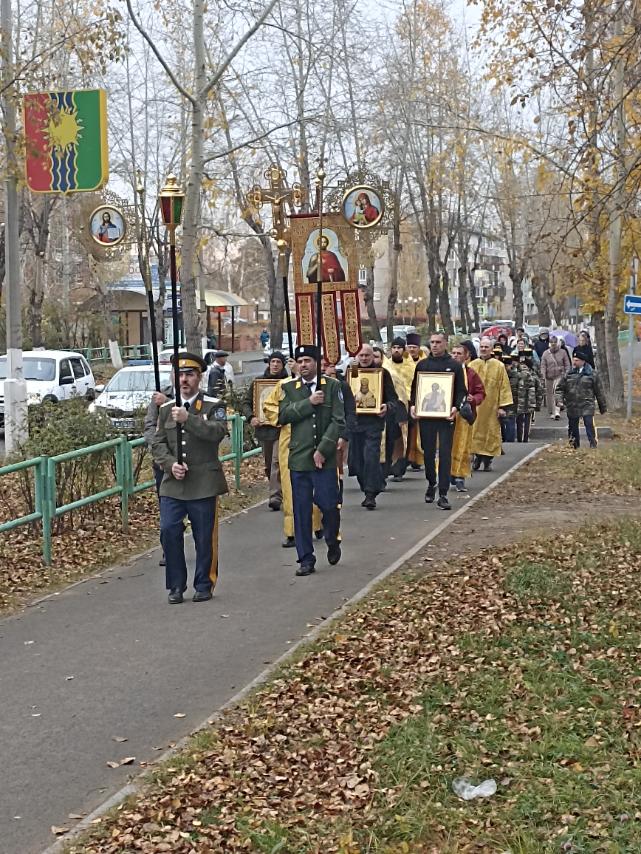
(331, 341)
(305, 319)
(327, 257)
(350, 311)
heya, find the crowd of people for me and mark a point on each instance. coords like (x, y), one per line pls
(377, 422)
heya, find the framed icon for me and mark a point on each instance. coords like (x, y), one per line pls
(262, 390)
(367, 386)
(107, 226)
(434, 394)
(363, 206)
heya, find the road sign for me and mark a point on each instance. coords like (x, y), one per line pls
(632, 304)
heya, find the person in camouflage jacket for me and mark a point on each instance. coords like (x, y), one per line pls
(580, 390)
(526, 402)
(539, 386)
(508, 422)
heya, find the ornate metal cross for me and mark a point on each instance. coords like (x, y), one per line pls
(278, 195)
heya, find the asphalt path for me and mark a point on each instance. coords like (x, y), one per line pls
(109, 659)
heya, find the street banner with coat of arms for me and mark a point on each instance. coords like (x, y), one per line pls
(326, 255)
(66, 141)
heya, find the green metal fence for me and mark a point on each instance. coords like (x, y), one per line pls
(97, 355)
(46, 509)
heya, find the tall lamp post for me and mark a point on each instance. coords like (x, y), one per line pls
(171, 207)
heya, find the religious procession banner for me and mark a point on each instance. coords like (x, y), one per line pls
(66, 141)
(328, 257)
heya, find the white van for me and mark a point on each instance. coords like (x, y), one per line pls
(51, 376)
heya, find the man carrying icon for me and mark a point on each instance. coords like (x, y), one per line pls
(439, 432)
(366, 433)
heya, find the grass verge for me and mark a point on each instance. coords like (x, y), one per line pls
(520, 665)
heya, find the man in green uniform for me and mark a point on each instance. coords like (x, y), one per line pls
(317, 416)
(190, 488)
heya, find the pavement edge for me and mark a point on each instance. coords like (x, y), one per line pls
(132, 787)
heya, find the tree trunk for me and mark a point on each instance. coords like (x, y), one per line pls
(471, 277)
(615, 371)
(393, 291)
(539, 292)
(434, 288)
(39, 231)
(2, 259)
(276, 294)
(444, 303)
(517, 296)
(36, 299)
(188, 278)
(601, 350)
(368, 297)
(610, 317)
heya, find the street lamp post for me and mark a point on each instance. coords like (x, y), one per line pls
(171, 207)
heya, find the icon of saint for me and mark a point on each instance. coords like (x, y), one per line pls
(365, 212)
(435, 400)
(365, 397)
(331, 269)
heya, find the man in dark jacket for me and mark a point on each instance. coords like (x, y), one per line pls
(439, 430)
(217, 379)
(579, 390)
(266, 434)
(367, 432)
(542, 342)
(317, 416)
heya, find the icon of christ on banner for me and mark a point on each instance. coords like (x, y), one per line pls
(327, 257)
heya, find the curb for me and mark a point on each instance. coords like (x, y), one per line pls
(133, 787)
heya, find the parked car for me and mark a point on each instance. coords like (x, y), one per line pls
(164, 356)
(399, 331)
(127, 392)
(284, 347)
(51, 376)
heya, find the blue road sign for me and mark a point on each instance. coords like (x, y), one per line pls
(632, 304)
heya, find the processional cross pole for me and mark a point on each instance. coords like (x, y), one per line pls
(278, 195)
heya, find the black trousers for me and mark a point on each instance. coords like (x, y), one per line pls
(365, 460)
(574, 433)
(318, 487)
(442, 432)
(523, 421)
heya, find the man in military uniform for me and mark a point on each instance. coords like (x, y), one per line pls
(317, 416)
(190, 488)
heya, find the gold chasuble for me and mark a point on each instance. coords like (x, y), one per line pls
(461, 444)
(486, 438)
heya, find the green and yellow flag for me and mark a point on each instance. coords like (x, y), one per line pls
(66, 141)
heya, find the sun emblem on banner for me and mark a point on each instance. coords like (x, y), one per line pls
(64, 130)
